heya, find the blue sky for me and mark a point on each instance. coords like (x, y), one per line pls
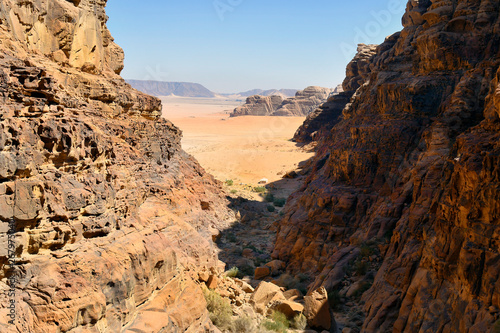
(237, 45)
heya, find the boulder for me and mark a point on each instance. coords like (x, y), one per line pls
(262, 272)
(264, 295)
(317, 309)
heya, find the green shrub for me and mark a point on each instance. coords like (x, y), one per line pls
(219, 309)
(260, 189)
(231, 237)
(233, 272)
(269, 197)
(279, 323)
(279, 202)
(270, 208)
(234, 191)
(229, 182)
(299, 322)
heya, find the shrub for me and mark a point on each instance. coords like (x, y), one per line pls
(334, 300)
(269, 197)
(259, 189)
(234, 191)
(219, 309)
(361, 267)
(299, 322)
(231, 237)
(270, 208)
(496, 327)
(279, 202)
(243, 325)
(366, 251)
(229, 182)
(279, 323)
(361, 290)
(233, 272)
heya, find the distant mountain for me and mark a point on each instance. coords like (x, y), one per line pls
(182, 89)
(270, 92)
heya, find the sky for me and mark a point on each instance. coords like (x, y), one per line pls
(232, 46)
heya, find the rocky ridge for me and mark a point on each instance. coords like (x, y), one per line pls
(304, 102)
(112, 220)
(402, 199)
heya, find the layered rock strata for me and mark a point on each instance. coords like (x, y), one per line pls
(409, 174)
(301, 104)
(110, 220)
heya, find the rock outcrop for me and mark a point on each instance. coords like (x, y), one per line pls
(302, 104)
(409, 175)
(109, 220)
(328, 114)
(258, 106)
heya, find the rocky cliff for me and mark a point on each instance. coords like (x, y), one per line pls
(403, 198)
(304, 102)
(109, 219)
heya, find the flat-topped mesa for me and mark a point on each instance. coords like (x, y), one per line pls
(300, 105)
(112, 220)
(403, 194)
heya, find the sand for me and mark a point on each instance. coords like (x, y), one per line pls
(243, 149)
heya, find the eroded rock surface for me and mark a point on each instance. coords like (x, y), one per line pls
(409, 175)
(111, 219)
(300, 105)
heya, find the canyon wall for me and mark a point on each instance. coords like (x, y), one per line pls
(408, 176)
(111, 222)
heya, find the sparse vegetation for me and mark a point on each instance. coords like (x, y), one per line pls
(366, 250)
(496, 327)
(243, 325)
(361, 290)
(269, 197)
(361, 267)
(270, 208)
(260, 189)
(234, 191)
(291, 282)
(231, 238)
(334, 300)
(229, 182)
(219, 309)
(233, 272)
(278, 323)
(299, 322)
(279, 202)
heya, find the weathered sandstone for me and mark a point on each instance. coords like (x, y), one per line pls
(111, 222)
(410, 172)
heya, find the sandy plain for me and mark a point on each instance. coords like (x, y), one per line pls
(243, 149)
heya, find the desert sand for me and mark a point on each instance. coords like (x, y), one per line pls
(243, 149)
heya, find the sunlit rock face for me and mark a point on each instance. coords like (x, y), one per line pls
(112, 220)
(409, 172)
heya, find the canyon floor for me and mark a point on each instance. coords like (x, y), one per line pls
(243, 150)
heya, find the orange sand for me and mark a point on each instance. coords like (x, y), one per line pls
(244, 149)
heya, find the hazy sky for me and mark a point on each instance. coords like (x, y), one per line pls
(237, 45)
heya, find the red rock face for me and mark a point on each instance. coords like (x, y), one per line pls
(415, 156)
(113, 221)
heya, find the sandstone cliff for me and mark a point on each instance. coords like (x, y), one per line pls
(304, 102)
(406, 182)
(112, 221)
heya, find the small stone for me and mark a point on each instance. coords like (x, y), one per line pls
(212, 282)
